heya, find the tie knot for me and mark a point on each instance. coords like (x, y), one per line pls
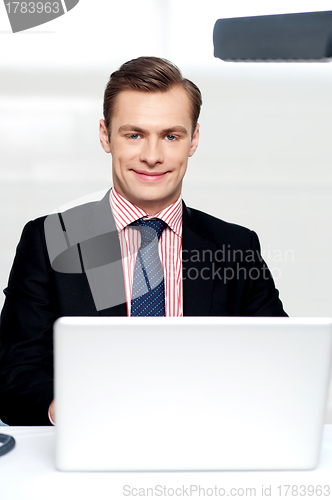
(149, 228)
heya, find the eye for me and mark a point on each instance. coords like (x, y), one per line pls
(133, 136)
(171, 137)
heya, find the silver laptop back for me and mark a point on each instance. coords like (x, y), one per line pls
(190, 393)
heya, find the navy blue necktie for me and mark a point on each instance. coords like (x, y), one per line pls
(148, 294)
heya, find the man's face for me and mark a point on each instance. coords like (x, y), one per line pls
(150, 142)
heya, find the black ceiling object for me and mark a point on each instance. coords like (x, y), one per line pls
(283, 37)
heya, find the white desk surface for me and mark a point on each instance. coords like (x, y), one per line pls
(28, 472)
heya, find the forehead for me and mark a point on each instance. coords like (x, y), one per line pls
(168, 108)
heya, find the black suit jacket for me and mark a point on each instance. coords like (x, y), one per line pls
(56, 275)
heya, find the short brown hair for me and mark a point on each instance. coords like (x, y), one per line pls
(149, 74)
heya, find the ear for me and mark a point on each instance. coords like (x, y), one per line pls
(194, 141)
(103, 136)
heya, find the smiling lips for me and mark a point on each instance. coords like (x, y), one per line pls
(150, 176)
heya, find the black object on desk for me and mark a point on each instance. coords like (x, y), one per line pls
(8, 443)
(282, 37)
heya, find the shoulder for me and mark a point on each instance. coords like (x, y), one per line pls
(77, 211)
(47, 229)
(38, 225)
(218, 230)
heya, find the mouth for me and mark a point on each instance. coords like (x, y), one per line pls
(150, 176)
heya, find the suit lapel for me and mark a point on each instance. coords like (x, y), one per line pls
(102, 220)
(105, 277)
(119, 310)
(197, 268)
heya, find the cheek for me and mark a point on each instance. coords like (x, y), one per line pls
(123, 156)
(179, 156)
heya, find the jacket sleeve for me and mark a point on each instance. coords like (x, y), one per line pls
(261, 297)
(26, 343)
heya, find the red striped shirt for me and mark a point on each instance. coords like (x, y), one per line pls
(170, 247)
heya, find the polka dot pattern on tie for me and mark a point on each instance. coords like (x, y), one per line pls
(148, 294)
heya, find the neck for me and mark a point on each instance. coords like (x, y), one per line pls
(151, 207)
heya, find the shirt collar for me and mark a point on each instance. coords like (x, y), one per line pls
(125, 213)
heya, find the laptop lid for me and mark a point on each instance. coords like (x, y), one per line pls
(190, 393)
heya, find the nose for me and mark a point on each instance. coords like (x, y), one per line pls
(151, 152)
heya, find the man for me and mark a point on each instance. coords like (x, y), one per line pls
(139, 251)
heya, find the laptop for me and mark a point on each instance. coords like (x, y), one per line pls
(190, 394)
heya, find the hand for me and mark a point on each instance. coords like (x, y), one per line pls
(51, 412)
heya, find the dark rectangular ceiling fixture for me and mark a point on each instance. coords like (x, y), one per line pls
(284, 37)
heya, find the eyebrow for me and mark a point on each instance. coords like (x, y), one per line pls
(170, 130)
